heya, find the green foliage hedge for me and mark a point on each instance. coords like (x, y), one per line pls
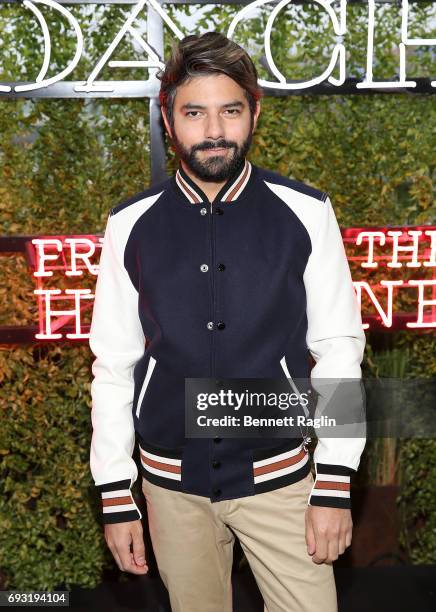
(64, 163)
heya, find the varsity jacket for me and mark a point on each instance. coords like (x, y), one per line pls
(249, 285)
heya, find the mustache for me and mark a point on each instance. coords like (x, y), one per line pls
(208, 146)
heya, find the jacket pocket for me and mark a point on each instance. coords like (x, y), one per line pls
(150, 368)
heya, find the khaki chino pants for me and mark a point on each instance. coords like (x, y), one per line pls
(193, 539)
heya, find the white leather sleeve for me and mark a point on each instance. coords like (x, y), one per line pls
(117, 341)
(336, 340)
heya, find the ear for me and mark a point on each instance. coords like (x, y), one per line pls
(256, 114)
(166, 122)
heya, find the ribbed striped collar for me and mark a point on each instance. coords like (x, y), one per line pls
(229, 192)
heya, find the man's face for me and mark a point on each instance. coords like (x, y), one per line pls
(212, 126)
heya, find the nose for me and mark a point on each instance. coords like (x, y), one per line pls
(214, 127)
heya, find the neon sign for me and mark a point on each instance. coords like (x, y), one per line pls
(154, 61)
(43, 246)
(393, 270)
(398, 253)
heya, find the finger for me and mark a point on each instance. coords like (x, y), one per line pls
(321, 548)
(310, 536)
(123, 550)
(117, 558)
(138, 548)
(333, 549)
(137, 566)
(128, 563)
(342, 544)
(137, 569)
(348, 537)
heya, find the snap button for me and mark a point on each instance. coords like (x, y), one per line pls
(221, 325)
(204, 267)
(221, 267)
(216, 440)
(203, 211)
(216, 491)
(210, 325)
(216, 464)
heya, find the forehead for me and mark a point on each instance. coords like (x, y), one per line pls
(209, 90)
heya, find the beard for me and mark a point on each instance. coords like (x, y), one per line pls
(214, 168)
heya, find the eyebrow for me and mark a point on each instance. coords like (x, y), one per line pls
(191, 105)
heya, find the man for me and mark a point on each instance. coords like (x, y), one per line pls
(224, 270)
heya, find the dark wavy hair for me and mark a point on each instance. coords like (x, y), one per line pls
(207, 54)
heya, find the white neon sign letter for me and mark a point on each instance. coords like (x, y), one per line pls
(338, 51)
(432, 259)
(153, 62)
(386, 317)
(43, 256)
(415, 234)
(368, 83)
(370, 263)
(93, 269)
(40, 80)
(67, 314)
(421, 284)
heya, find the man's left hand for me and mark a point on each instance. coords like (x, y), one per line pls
(328, 532)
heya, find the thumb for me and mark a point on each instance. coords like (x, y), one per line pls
(310, 535)
(138, 548)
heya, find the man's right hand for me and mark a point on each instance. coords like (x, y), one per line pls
(119, 538)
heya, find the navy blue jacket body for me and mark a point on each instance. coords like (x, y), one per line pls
(251, 285)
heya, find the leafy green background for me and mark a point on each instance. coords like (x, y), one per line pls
(65, 163)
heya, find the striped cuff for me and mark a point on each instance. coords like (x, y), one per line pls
(118, 505)
(332, 486)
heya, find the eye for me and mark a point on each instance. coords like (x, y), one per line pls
(232, 111)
